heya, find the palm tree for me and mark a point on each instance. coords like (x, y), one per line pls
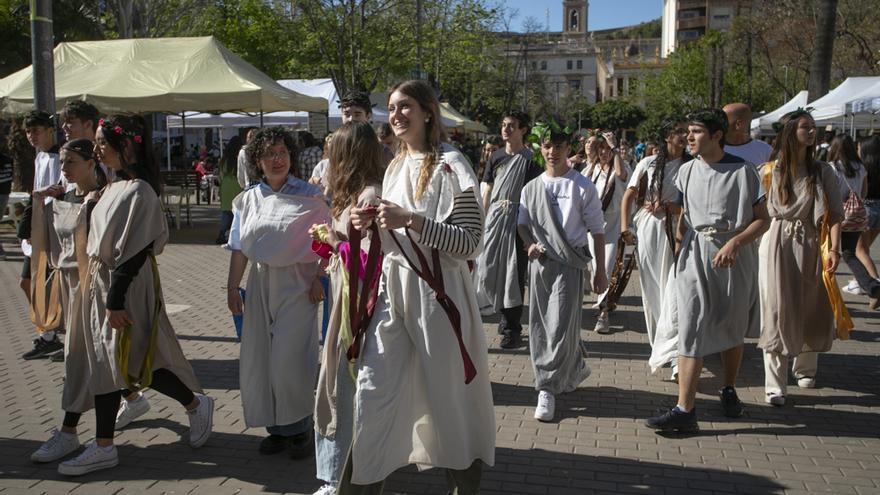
(823, 50)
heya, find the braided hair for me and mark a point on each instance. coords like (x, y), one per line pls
(667, 127)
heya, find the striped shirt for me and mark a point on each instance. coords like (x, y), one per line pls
(460, 233)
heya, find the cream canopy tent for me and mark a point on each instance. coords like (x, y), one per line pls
(459, 121)
(765, 122)
(157, 75)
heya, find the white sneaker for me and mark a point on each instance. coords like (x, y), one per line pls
(201, 421)
(131, 410)
(56, 447)
(326, 490)
(807, 382)
(602, 324)
(775, 398)
(93, 458)
(546, 407)
(853, 288)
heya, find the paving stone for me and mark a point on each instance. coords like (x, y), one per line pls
(824, 440)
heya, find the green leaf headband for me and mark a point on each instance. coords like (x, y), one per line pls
(543, 131)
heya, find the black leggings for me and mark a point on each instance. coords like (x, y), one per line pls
(107, 405)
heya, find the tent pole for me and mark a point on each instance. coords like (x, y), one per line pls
(261, 118)
(167, 145)
(183, 136)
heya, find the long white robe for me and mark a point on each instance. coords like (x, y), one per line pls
(279, 338)
(655, 256)
(412, 405)
(612, 214)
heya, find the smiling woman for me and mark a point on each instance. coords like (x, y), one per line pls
(423, 394)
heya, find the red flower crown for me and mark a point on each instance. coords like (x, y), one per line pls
(119, 130)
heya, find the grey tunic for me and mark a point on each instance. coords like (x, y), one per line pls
(126, 219)
(717, 307)
(496, 265)
(555, 299)
(797, 315)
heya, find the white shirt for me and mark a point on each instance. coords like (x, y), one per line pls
(241, 172)
(575, 204)
(47, 170)
(755, 151)
(846, 183)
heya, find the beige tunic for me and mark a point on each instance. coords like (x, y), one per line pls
(336, 342)
(796, 313)
(126, 219)
(59, 231)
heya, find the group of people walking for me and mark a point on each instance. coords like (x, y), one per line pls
(415, 246)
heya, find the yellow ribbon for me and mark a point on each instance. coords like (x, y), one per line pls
(123, 343)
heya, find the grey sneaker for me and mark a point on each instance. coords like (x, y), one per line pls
(131, 410)
(56, 447)
(201, 421)
(93, 458)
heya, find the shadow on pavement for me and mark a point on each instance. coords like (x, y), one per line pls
(234, 460)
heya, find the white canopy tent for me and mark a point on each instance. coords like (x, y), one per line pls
(765, 122)
(317, 88)
(836, 107)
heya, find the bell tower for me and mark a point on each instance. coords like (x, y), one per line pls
(574, 21)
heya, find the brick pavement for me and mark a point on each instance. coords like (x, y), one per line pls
(826, 440)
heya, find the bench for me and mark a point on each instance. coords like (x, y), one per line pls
(178, 185)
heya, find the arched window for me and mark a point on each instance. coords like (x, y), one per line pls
(573, 20)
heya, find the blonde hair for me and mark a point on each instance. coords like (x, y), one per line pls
(435, 134)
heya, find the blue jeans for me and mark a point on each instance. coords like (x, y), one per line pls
(330, 453)
(873, 208)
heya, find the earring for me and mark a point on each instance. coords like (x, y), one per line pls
(427, 120)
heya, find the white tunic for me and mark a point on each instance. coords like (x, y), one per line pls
(612, 213)
(412, 405)
(279, 338)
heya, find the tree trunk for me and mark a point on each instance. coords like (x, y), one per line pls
(820, 63)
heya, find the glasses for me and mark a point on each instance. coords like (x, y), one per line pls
(274, 156)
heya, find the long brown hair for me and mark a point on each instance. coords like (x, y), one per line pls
(435, 134)
(785, 150)
(843, 151)
(356, 161)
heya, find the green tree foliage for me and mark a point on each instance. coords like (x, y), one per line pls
(617, 115)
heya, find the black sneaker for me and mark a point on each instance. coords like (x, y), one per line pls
(733, 407)
(58, 357)
(675, 420)
(511, 341)
(273, 444)
(43, 348)
(301, 446)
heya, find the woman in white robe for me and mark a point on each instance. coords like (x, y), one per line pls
(279, 339)
(610, 175)
(653, 185)
(423, 395)
(129, 341)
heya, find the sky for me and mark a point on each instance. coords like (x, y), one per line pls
(603, 14)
